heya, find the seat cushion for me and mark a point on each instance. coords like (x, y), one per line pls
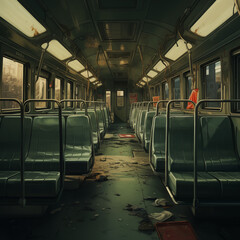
(230, 184)
(158, 161)
(37, 184)
(181, 185)
(219, 150)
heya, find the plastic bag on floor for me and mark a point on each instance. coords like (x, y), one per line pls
(161, 217)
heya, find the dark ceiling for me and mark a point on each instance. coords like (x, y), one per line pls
(112, 35)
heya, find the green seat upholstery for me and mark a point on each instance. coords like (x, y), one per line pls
(180, 157)
(106, 116)
(147, 129)
(157, 158)
(181, 185)
(141, 125)
(79, 147)
(131, 118)
(100, 123)
(10, 134)
(44, 150)
(219, 149)
(220, 155)
(37, 184)
(135, 117)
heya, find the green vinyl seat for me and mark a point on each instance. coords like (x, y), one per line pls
(100, 123)
(37, 184)
(157, 156)
(147, 129)
(180, 160)
(44, 149)
(79, 146)
(220, 155)
(95, 129)
(41, 184)
(139, 131)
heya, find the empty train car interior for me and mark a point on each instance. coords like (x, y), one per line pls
(119, 119)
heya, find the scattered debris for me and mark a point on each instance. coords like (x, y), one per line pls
(120, 219)
(146, 226)
(101, 178)
(161, 202)
(134, 162)
(150, 198)
(96, 215)
(55, 210)
(136, 211)
(117, 194)
(161, 217)
(103, 159)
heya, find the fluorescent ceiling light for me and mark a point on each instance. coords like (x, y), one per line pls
(99, 84)
(86, 74)
(152, 74)
(219, 12)
(145, 79)
(93, 79)
(57, 50)
(159, 66)
(177, 50)
(142, 83)
(96, 82)
(76, 65)
(15, 14)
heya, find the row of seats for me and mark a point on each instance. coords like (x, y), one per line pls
(43, 161)
(218, 167)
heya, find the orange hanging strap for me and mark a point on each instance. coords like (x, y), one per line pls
(193, 97)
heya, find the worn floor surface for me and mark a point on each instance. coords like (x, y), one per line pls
(94, 207)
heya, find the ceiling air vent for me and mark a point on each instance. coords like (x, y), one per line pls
(122, 31)
(120, 4)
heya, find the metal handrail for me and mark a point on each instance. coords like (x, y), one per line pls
(157, 107)
(167, 130)
(195, 143)
(22, 200)
(149, 103)
(62, 162)
(75, 101)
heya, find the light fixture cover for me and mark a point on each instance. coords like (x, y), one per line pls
(159, 66)
(15, 14)
(93, 79)
(177, 50)
(86, 74)
(152, 74)
(218, 13)
(57, 50)
(76, 65)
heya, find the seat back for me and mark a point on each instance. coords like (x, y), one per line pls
(148, 125)
(219, 148)
(44, 150)
(78, 131)
(10, 139)
(158, 134)
(180, 145)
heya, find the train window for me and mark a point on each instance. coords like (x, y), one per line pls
(211, 78)
(12, 81)
(57, 90)
(41, 92)
(108, 99)
(165, 91)
(69, 93)
(188, 85)
(157, 90)
(120, 98)
(176, 90)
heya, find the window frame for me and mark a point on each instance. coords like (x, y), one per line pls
(47, 77)
(176, 104)
(24, 83)
(69, 104)
(204, 88)
(117, 97)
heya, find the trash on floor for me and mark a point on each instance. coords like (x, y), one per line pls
(161, 217)
(101, 178)
(136, 211)
(161, 202)
(146, 225)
